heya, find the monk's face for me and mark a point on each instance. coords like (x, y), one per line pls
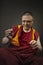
(27, 21)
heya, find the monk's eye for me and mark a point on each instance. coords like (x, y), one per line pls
(26, 21)
(23, 20)
(29, 21)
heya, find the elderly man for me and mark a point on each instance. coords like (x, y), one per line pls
(24, 44)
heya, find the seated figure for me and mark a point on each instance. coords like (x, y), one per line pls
(24, 43)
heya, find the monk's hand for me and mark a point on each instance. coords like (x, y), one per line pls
(34, 44)
(8, 33)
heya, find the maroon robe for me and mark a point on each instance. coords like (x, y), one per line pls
(22, 55)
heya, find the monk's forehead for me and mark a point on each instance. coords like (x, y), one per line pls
(29, 17)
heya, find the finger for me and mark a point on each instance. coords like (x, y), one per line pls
(33, 42)
(7, 31)
(10, 37)
(34, 46)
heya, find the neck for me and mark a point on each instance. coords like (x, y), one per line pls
(27, 30)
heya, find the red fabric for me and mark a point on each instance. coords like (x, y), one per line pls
(25, 38)
(36, 34)
(15, 29)
(9, 56)
(22, 55)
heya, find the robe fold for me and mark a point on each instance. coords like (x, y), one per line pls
(23, 54)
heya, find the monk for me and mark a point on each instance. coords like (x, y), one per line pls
(24, 44)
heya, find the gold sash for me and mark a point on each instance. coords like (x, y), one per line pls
(15, 40)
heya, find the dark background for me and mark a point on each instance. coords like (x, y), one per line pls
(11, 11)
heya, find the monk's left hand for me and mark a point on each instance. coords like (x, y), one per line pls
(35, 45)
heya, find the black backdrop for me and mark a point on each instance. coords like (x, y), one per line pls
(10, 14)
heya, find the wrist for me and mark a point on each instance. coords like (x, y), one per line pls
(5, 40)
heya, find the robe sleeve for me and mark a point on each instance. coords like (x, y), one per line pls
(15, 29)
(36, 34)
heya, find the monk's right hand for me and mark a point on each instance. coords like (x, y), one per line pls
(8, 32)
(7, 37)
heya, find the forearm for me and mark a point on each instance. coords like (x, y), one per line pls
(39, 44)
(5, 40)
(8, 36)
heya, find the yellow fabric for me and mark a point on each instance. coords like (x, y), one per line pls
(33, 31)
(15, 40)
